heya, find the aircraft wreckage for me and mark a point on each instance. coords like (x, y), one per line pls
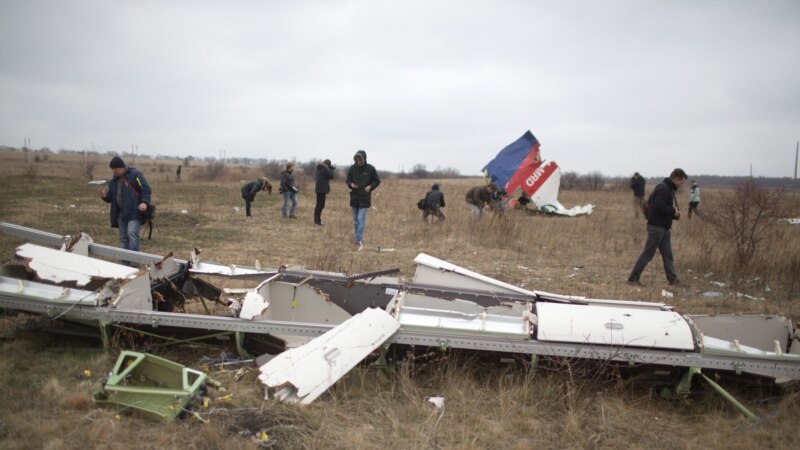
(319, 325)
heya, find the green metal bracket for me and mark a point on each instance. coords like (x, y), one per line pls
(685, 385)
(156, 387)
(104, 335)
(384, 371)
(240, 345)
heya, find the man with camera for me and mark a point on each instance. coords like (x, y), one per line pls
(662, 210)
(129, 195)
(322, 178)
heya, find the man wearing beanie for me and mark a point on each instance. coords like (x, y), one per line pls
(362, 179)
(129, 194)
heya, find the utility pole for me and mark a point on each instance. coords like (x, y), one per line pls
(751, 170)
(796, 152)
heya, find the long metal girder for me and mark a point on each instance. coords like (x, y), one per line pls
(779, 367)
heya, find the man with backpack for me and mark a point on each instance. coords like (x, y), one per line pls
(662, 209)
(129, 195)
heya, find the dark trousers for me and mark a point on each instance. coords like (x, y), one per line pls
(657, 238)
(693, 207)
(247, 203)
(320, 206)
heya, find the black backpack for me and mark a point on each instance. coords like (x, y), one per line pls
(421, 204)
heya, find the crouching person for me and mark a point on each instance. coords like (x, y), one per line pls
(250, 190)
(129, 194)
(434, 202)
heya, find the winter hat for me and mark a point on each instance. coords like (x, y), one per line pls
(117, 163)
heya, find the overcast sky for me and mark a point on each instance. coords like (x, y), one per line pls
(609, 86)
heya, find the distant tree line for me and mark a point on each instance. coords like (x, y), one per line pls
(270, 167)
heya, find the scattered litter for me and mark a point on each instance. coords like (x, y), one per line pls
(667, 294)
(184, 211)
(236, 209)
(522, 268)
(572, 275)
(98, 182)
(719, 284)
(437, 401)
(767, 288)
(72, 206)
(578, 267)
(385, 249)
(712, 294)
(739, 294)
(794, 221)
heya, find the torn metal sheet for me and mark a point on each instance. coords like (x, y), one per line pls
(434, 271)
(61, 267)
(302, 374)
(416, 312)
(289, 302)
(156, 387)
(753, 330)
(17, 288)
(613, 325)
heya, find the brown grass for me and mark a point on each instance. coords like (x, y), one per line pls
(44, 394)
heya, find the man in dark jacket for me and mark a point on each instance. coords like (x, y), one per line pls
(289, 190)
(322, 177)
(662, 211)
(637, 185)
(434, 202)
(250, 190)
(478, 198)
(362, 179)
(129, 194)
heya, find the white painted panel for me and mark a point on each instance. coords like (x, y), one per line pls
(304, 373)
(613, 325)
(461, 316)
(59, 267)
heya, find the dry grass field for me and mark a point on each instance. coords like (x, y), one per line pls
(45, 398)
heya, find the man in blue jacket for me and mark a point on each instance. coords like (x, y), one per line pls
(662, 210)
(129, 194)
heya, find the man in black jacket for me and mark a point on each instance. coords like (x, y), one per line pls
(637, 185)
(362, 179)
(662, 211)
(323, 177)
(434, 202)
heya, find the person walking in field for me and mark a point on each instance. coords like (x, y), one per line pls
(434, 202)
(129, 195)
(694, 198)
(362, 179)
(479, 198)
(322, 178)
(289, 190)
(662, 210)
(178, 173)
(250, 190)
(637, 185)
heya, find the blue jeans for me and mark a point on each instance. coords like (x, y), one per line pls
(129, 233)
(286, 196)
(359, 221)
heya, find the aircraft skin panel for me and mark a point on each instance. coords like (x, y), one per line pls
(416, 312)
(610, 325)
(302, 374)
(60, 267)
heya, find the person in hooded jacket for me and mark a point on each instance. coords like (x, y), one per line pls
(250, 190)
(129, 194)
(434, 202)
(694, 198)
(362, 179)
(662, 211)
(289, 190)
(322, 178)
(637, 186)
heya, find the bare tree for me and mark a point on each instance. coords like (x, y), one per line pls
(745, 217)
